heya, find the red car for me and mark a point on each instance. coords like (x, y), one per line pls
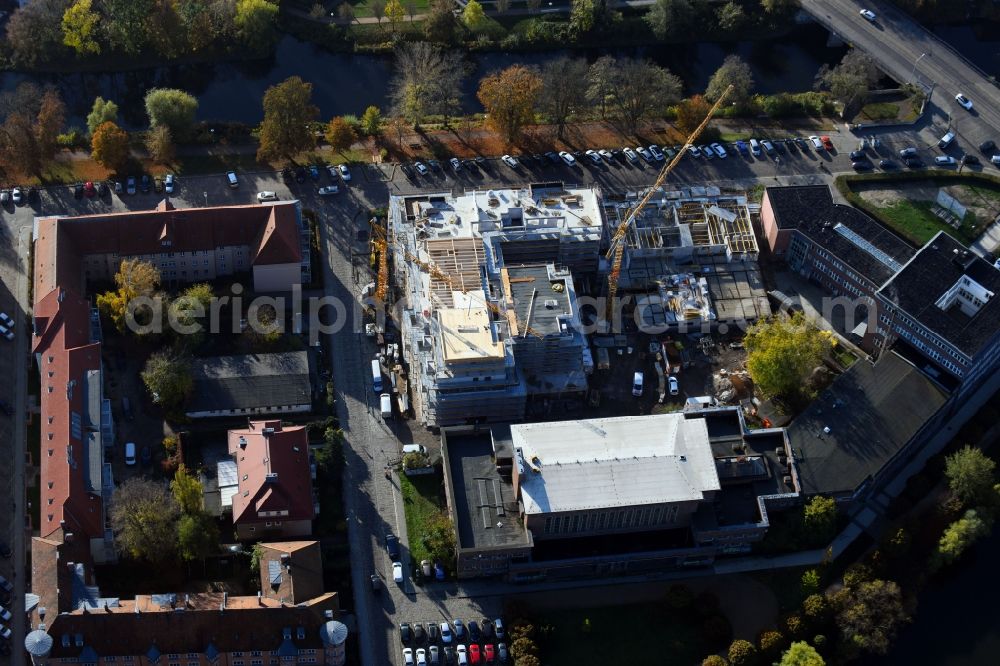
(473, 654)
(490, 656)
(88, 189)
(826, 142)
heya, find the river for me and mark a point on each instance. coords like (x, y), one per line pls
(345, 83)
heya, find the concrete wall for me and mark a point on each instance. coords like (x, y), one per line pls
(276, 277)
(620, 520)
(777, 240)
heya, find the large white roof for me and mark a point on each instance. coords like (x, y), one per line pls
(624, 461)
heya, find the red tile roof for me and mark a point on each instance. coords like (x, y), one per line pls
(276, 464)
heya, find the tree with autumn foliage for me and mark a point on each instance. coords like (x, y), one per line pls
(288, 114)
(109, 146)
(509, 97)
(340, 135)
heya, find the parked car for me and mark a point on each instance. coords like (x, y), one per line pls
(474, 654)
(327, 190)
(945, 160)
(868, 15)
(858, 155)
(674, 386)
(886, 165)
(719, 150)
(405, 633)
(6, 320)
(742, 149)
(802, 144)
(862, 165)
(421, 168)
(779, 146)
(376, 583)
(421, 657)
(988, 147)
(419, 635)
(755, 147)
(827, 143)
(157, 185)
(593, 156)
(567, 158)
(768, 147)
(509, 161)
(314, 172)
(456, 164)
(16, 196)
(267, 195)
(498, 628)
(4, 197)
(433, 164)
(657, 154)
(6, 332)
(914, 163)
(553, 157)
(434, 655)
(907, 152)
(397, 572)
(407, 171)
(392, 546)
(970, 160)
(463, 655)
(345, 173)
(78, 191)
(459, 629)
(446, 634)
(130, 453)
(946, 140)
(5, 585)
(488, 653)
(964, 101)
(605, 154)
(300, 175)
(816, 142)
(89, 190)
(645, 154)
(694, 151)
(637, 380)
(474, 633)
(791, 145)
(408, 656)
(145, 184)
(168, 183)
(707, 152)
(433, 633)
(502, 652)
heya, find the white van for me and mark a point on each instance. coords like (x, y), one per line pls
(414, 448)
(376, 376)
(130, 453)
(637, 384)
(385, 405)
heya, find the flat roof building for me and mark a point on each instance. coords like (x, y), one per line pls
(251, 384)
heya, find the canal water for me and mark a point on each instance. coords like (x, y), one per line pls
(345, 83)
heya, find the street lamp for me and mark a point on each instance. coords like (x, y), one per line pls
(205, 194)
(913, 72)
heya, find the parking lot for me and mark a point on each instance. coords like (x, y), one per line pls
(453, 641)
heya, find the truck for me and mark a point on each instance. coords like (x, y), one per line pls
(376, 376)
(385, 405)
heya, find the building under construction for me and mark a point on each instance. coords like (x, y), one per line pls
(490, 313)
(691, 257)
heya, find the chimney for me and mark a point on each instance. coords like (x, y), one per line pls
(286, 560)
(68, 538)
(260, 600)
(243, 442)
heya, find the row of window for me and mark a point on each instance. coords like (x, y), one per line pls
(610, 520)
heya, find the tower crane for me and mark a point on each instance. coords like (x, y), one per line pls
(616, 251)
(381, 245)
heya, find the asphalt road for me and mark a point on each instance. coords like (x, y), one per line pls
(910, 53)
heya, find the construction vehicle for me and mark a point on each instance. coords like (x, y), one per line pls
(616, 251)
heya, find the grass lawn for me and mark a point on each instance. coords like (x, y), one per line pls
(879, 111)
(654, 634)
(212, 164)
(363, 8)
(915, 221)
(421, 503)
(844, 356)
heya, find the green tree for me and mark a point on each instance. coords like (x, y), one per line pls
(473, 16)
(582, 17)
(815, 607)
(197, 536)
(165, 29)
(714, 660)
(509, 98)
(109, 146)
(427, 81)
(340, 135)
(819, 518)
(371, 121)
(638, 89)
(34, 32)
(103, 111)
(256, 554)
(781, 354)
(733, 72)
(528, 660)
(167, 376)
(134, 278)
(521, 647)
(670, 18)
(440, 24)
(79, 26)
(173, 108)
(126, 24)
(731, 17)
(970, 475)
(810, 581)
(742, 652)
(850, 81)
(257, 23)
(187, 490)
(801, 653)
(439, 540)
(143, 516)
(288, 114)
(395, 12)
(770, 643)
(779, 6)
(160, 144)
(870, 614)
(959, 536)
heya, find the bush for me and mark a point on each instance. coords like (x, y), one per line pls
(770, 642)
(794, 625)
(416, 460)
(714, 660)
(816, 608)
(742, 652)
(73, 138)
(810, 581)
(857, 573)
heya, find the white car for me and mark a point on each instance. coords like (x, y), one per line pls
(446, 635)
(694, 151)
(606, 154)
(267, 196)
(345, 173)
(637, 384)
(327, 190)
(674, 387)
(7, 333)
(567, 158)
(995, 160)
(456, 164)
(645, 154)
(657, 154)
(408, 656)
(421, 168)
(816, 142)
(509, 161)
(945, 160)
(463, 655)
(397, 572)
(630, 155)
(6, 320)
(719, 150)
(168, 183)
(868, 15)
(707, 152)
(594, 157)
(964, 101)
(421, 657)
(16, 196)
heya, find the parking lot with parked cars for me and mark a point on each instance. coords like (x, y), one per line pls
(454, 642)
